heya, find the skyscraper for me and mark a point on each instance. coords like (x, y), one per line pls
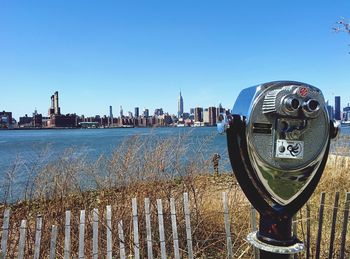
(337, 115)
(56, 106)
(219, 110)
(110, 116)
(137, 114)
(198, 114)
(121, 112)
(54, 109)
(330, 110)
(180, 106)
(212, 116)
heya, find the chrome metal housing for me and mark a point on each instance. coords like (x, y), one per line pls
(286, 139)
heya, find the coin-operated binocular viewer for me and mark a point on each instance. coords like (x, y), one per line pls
(278, 138)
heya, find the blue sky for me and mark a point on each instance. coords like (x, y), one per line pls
(141, 53)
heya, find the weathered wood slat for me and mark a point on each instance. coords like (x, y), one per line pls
(5, 233)
(308, 231)
(345, 225)
(109, 231)
(22, 239)
(253, 226)
(67, 236)
(295, 226)
(95, 234)
(227, 226)
(295, 231)
(188, 225)
(136, 229)
(121, 240)
(81, 250)
(334, 221)
(161, 229)
(53, 242)
(174, 228)
(320, 224)
(148, 229)
(38, 229)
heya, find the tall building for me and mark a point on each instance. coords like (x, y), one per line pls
(110, 116)
(346, 113)
(54, 109)
(145, 113)
(212, 116)
(180, 106)
(337, 115)
(121, 112)
(57, 119)
(198, 114)
(206, 116)
(219, 110)
(56, 106)
(137, 112)
(330, 110)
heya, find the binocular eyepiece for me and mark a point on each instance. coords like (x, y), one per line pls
(292, 105)
(310, 107)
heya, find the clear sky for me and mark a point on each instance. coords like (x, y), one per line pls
(141, 53)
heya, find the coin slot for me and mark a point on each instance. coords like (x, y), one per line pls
(263, 128)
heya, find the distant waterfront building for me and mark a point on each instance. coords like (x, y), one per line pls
(25, 121)
(191, 111)
(145, 113)
(55, 108)
(198, 114)
(185, 115)
(158, 112)
(337, 115)
(330, 110)
(6, 120)
(205, 116)
(37, 119)
(180, 106)
(346, 113)
(57, 120)
(212, 116)
(121, 112)
(110, 116)
(137, 114)
(219, 110)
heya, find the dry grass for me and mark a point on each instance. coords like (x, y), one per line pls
(155, 168)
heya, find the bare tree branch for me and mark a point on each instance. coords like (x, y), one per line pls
(343, 25)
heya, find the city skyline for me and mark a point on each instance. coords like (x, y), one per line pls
(198, 116)
(142, 53)
(337, 104)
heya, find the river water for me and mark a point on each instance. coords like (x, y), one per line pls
(22, 148)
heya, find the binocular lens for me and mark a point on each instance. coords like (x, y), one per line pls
(295, 104)
(313, 105)
(291, 104)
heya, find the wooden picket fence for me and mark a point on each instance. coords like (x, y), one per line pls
(176, 252)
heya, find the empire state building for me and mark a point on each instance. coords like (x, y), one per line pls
(180, 106)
